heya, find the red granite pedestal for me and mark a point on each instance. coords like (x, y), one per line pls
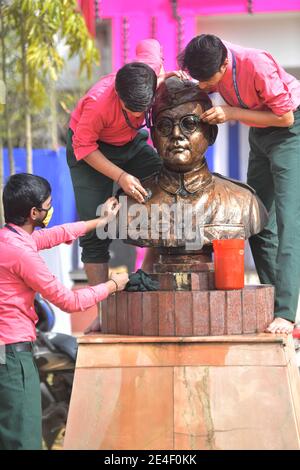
(185, 367)
(224, 392)
(188, 304)
(189, 313)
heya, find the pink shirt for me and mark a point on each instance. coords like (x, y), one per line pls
(262, 83)
(23, 273)
(98, 115)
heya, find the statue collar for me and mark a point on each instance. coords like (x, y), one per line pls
(185, 183)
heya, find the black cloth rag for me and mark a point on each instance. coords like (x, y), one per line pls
(141, 282)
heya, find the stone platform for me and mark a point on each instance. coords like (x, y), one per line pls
(197, 312)
(224, 392)
(187, 302)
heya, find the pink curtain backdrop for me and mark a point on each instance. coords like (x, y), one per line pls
(155, 18)
(88, 10)
(141, 16)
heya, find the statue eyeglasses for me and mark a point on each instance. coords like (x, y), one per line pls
(188, 124)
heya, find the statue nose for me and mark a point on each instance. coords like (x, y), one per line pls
(176, 130)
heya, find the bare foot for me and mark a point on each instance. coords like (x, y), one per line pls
(280, 325)
(94, 326)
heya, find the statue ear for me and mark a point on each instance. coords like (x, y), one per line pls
(151, 132)
(152, 135)
(213, 132)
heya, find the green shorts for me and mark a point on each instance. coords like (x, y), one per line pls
(274, 172)
(92, 188)
(20, 403)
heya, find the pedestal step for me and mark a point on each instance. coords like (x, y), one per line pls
(185, 281)
(189, 313)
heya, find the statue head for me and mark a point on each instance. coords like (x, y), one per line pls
(187, 205)
(178, 133)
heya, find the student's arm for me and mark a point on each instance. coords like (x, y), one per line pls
(100, 163)
(174, 73)
(35, 274)
(272, 92)
(67, 233)
(85, 145)
(49, 237)
(220, 114)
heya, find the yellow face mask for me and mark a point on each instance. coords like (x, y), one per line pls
(48, 217)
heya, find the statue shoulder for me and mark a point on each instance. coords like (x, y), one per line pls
(237, 182)
(244, 197)
(151, 179)
(149, 182)
(152, 187)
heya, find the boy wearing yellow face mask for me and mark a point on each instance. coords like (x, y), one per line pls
(48, 217)
(23, 273)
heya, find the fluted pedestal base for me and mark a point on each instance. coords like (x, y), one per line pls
(225, 392)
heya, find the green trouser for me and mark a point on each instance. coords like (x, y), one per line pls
(20, 403)
(274, 172)
(92, 188)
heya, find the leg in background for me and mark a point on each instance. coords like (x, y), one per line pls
(284, 156)
(151, 257)
(282, 148)
(264, 245)
(97, 273)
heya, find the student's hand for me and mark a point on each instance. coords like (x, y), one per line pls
(132, 187)
(118, 281)
(217, 114)
(174, 73)
(109, 210)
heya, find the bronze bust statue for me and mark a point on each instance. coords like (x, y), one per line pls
(187, 207)
(205, 205)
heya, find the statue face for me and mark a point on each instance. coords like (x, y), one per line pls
(179, 137)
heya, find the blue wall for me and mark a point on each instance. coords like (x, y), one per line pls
(52, 166)
(234, 154)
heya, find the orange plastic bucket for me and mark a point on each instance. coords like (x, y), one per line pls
(229, 263)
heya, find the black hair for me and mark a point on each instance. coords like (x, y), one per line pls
(136, 84)
(21, 193)
(203, 56)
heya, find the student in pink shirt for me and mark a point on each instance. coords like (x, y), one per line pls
(261, 94)
(106, 144)
(23, 273)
